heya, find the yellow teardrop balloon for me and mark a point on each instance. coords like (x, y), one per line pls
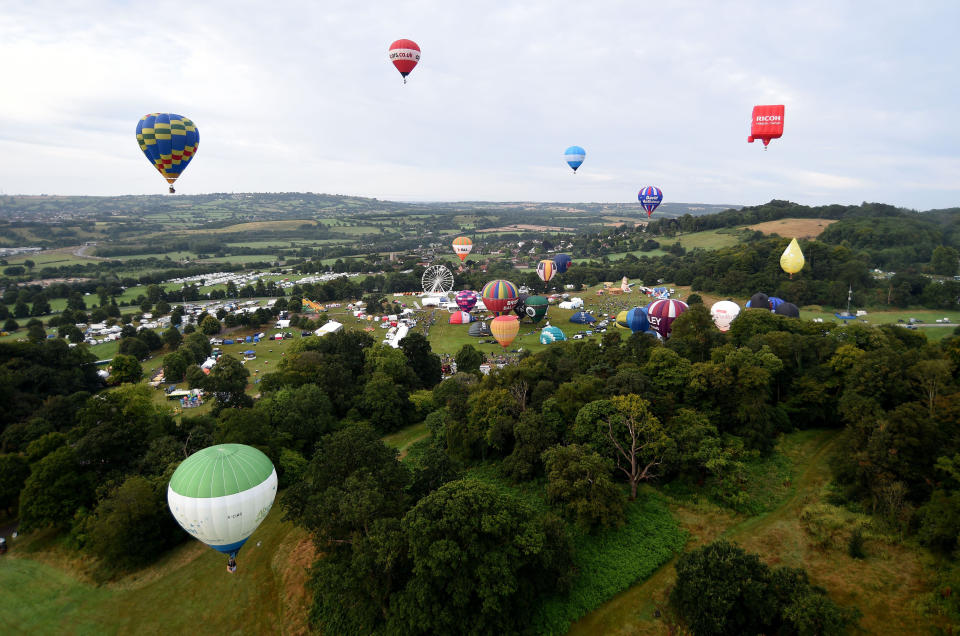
(792, 258)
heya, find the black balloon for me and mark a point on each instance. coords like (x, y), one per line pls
(787, 309)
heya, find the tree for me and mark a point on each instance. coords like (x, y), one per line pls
(199, 347)
(36, 333)
(131, 525)
(945, 260)
(56, 488)
(625, 429)
(479, 560)
(11, 325)
(175, 365)
(579, 480)
(385, 403)
(931, 376)
(228, 383)
(468, 359)
(134, 347)
(14, 470)
(72, 332)
(150, 338)
(304, 413)
(125, 368)
(422, 360)
(210, 326)
(352, 480)
(172, 338)
(41, 307)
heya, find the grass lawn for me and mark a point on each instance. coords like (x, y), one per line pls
(708, 240)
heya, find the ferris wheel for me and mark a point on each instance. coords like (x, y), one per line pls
(437, 279)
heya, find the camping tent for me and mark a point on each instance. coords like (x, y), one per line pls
(552, 334)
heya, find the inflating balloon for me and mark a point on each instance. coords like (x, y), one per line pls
(536, 308)
(650, 197)
(404, 54)
(169, 141)
(221, 494)
(621, 319)
(759, 301)
(723, 313)
(637, 320)
(662, 313)
(792, 259)
(466, 299)
(562, 261)
(787, 309)
(462, 246)
(504, 329)
(546, 270)
(766, 124)
(500, 296)
(574, 156)
(552, 334)
(460, 318)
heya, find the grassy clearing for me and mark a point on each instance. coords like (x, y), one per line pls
(886, 586)
(402, 440)
(46, 593)
(707, 240)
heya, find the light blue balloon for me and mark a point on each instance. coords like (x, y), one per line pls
(574, 156)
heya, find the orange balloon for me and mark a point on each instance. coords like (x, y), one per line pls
(504, 329)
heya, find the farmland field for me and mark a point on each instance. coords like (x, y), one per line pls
(793, 228)
(707, 240)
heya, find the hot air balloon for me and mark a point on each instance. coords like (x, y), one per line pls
(787, 309)
(766, 124)
(637, 320)
(662, 313)
(562, 263)
(462, 246)
(536, 308)
(621, 319)
(550, 335)
(759, 301)
(466, 299)
(479, 330)
(574, 156)
(504, 329)
(169, 141)
(792, 258)
(460, 318)
(221, 494)
(520, 308)
(499, 296)
(546, 270)
(650, 197)
(775, 302)
(404, 54)
(723, 313)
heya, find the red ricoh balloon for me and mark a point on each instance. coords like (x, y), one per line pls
(767, 124)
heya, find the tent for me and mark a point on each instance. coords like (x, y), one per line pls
(552, 334)
(573, 303)
(582, 318)
(480, 330)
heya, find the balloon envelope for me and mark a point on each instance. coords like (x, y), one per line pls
(466, 299)
(460, 318)
(787, 309)
(574, 156)
(500, 296)
(479, 330)
(775, 302)
(622, 319)
(662, 313)
(562, 261)
(637, 320)
(504, 329)
(169, 141)
(650, 197)
(766, 123)
(536, 308)
(221, 494)
(552, 334)
(723, 313)
(792, 259)
(759, 301)
(546, 270)
(462, 246)
(404, 54)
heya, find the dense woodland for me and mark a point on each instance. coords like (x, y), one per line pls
(593, 432)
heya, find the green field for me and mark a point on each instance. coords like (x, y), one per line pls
(707, 240)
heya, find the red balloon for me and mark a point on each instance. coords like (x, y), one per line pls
(767, 124)
(404, 54)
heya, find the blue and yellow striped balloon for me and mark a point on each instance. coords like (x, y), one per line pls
(169, 141)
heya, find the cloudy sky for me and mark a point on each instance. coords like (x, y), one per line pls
(300, 96)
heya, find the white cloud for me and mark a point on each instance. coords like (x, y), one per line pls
(301, 96)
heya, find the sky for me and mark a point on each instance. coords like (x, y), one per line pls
(300, 96)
